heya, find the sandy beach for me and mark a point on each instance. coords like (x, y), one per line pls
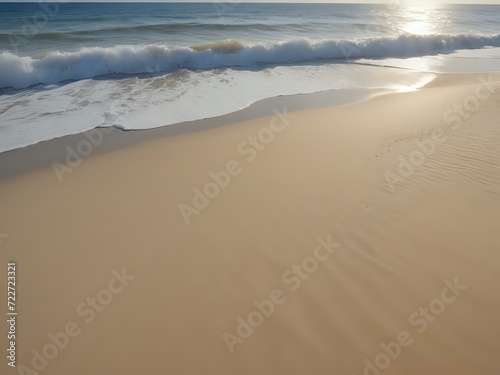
(357, 239)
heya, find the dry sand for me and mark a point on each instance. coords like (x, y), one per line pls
(325, 175)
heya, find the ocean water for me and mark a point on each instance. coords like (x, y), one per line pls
(66, 68)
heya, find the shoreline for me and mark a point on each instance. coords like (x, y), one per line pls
(42, 154)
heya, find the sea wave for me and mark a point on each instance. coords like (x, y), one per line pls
(165, 28)
(24, 71)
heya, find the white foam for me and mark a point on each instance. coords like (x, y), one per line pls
(31, 116)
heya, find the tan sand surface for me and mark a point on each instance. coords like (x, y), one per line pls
(365, 224)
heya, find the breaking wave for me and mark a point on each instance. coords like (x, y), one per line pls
(21, 71)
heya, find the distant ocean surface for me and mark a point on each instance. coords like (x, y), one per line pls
(66, 68)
